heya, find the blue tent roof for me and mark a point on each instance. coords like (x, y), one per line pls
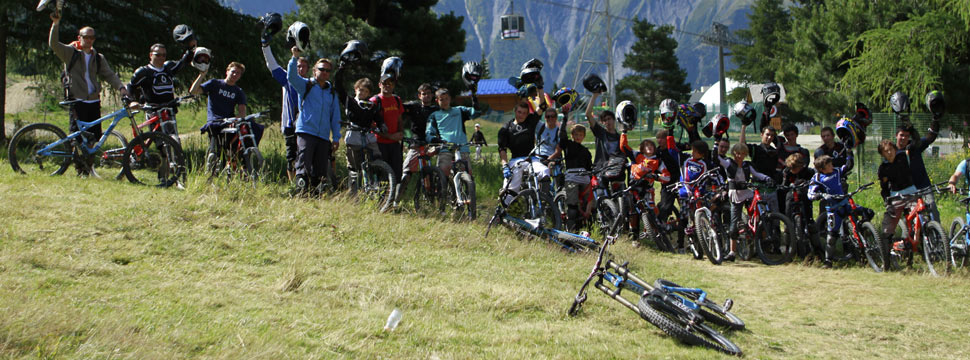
(495, 87)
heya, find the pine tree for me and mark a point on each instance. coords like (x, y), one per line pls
(656, 74)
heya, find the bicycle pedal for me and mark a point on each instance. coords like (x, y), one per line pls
(727, 305)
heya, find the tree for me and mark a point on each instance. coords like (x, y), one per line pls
(390, 28)
(768, 33)
(656, 74)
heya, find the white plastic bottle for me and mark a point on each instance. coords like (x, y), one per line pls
(393, 320)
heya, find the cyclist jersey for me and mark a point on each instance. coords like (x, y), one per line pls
(671, 156)
(962, 168)
(153, 85)
(837, 152)
(737, 174)
(693, 169)
(418, 114)
(390, 108)
(764, 158)
(830, 183)
(575, 155)
(519, 138)
(548, 138)
(449, 125)
(643, 164)
(785, 151)
(895, 177)
(607, 144)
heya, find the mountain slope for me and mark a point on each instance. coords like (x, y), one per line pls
(555, 29)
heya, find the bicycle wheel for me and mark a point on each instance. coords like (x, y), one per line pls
(936, 250)
(806, 236)
(660, 237)
(378, 184)
(606, 213)
(429, 192)
(707, 236)
(714, 313)
(774, 239)
(109, 157)
(553, 217)
(466, 209)
(575, 241)
(253, 165)
(154, 159)
(958, 244)
(874, 252)
(665, 315)
(24, 145)
(560, 203)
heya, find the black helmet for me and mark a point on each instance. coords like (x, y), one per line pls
(298, 35)
(594, 84)
(935, 103)
(183, 34)
(532, 63)
(272, 23)
(862, 115)
(471, 72)
(531, 76)
(391, 68)
(527, 90)
(899, 102)
(626, 113)
(744, 112)
(353, 52)
(771, 93)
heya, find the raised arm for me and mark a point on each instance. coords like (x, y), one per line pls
(293, 76)
(741, 135)
(589, 110)
(63, 51)
(196, 88)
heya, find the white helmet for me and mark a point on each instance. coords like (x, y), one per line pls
(626, 113)
(298, 34)
(201, 58)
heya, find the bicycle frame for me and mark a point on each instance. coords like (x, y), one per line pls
(914, 223)
(83, 126)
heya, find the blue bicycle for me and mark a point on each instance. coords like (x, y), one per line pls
(43, 148)
(522, 214)
(681, 312)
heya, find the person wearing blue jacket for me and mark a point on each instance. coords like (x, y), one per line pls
(290, 104)
(319, 120)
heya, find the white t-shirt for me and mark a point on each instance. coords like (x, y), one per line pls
(87, 75)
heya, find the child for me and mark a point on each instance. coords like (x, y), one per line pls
(828, 181)
(448, 124)
(797, 173)
(578, 161)
(645, 169)
(739, 171)
(895, 178)
(362, 113)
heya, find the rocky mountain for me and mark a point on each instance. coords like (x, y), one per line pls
(554, 32)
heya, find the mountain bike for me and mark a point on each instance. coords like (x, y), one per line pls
(960, 235)
(43, 148)
(430, 191)
(704, 230)
(461, 185)
(572, 217)
(520, 215)
(376, 180)
(857, 228)
(161, 118)
(681, 312)
(644, 209)
(798, 208)
(770, 234)
(936, 250)
(237, 154)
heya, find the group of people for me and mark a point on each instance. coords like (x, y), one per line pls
(314, 108)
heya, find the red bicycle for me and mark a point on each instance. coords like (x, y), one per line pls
(430, 191)
(936, 248)
(768, 233)
(857, 228)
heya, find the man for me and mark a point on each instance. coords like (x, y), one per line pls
(154, 84)
(417, 112)
(517, 137)
(604, 130)
(226, 100)
(835, 150)
(913, 149)
(390, 108)
(82, 66)
(764, 158)
(319, 119)
(290, 104)
(448, 124)
(478, 139)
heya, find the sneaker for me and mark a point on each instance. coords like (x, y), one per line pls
(827, 264)
(636, 244)
(846, 257)
(899, 245)
(730, 257)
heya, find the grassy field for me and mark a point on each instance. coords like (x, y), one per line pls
(103, 269)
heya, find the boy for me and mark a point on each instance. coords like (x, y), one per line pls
(448, 124)
(895, 178)
(826, 182)
(739, 171)
(578, 161)
(645, 169)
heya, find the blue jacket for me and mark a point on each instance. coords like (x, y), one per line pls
(319, 109)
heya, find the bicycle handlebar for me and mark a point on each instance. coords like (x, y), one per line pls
(173, 103)
(250, 118)
(849, 195)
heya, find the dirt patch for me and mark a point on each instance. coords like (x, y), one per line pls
(19, 98)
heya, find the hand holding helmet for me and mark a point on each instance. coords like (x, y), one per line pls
(353, 52)
(298, 34)
(668, 113)
(528, 90)
(699, 112)
(471, 72)
(899, 102)
(201, 59)
(718, 125)
(771, 93)
(272, 23)
(391, 68)
(744, 112)
(565, 97)
(935, 104)
(531, 72)
(184, 35)
(594, 84)
(626, 114)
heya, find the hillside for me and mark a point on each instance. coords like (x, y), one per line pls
(554, 30)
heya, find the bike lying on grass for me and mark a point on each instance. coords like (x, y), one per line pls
(524, 215)
(681, 312)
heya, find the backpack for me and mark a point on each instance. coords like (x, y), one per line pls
(66, 72)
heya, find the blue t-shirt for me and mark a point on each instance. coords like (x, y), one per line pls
(549, 139)
(962, 168)
(449, 125)
(223, 99)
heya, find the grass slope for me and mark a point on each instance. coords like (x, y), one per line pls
(99, 269)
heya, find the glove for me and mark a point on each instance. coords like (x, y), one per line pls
(265, 38)
(506, 171)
